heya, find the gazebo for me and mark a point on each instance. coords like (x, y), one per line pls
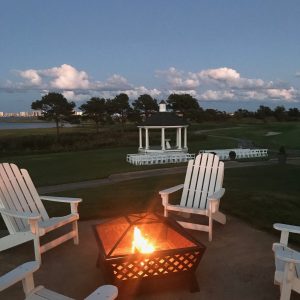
(167, 151)
(163, 121)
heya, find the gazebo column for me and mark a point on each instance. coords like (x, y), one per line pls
(179, 138)
(163, 142)
(185, 138)
(140, 138)
(146, 139)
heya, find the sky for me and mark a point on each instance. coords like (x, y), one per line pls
(227, 54)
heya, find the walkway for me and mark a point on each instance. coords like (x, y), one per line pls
(139, 174)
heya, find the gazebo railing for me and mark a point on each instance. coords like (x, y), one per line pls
(159, 158)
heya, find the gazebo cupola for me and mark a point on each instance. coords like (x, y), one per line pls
(165, 122)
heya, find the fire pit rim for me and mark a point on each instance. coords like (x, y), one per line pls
(131, 256)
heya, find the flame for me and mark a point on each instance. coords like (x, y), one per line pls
(140, 243)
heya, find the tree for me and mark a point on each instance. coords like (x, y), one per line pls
(293, 114)
(94, 109)
(184, 103)
(54, 106)
(120, 105)
(145, 104)
(264, 112)
(243, 113)
(280, 113)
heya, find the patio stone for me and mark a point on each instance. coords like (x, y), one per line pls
(238, 264)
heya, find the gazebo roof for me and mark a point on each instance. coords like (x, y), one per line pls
(164, 119)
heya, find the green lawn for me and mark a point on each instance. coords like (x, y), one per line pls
(74, 166)
(259, 195)
(65, 167)
(257, 133)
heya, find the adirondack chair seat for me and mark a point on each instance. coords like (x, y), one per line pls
(25, 215)
(214, 200)
(56, 222)
(202, 191)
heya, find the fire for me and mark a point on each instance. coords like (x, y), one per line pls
(140, 243)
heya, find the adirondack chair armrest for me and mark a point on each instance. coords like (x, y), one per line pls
(287, 254)
(171, 190)
(165, 193)
(21, 272)
(108, 292)
(21, 215)
(61, 199)
(285, 230)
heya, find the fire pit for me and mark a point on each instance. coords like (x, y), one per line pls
(147, 246)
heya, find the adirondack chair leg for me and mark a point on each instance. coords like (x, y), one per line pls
(37, 248)
(75, 229)
(210, 227)
(284, 237)
(287, 284)
(165, 200)
(36, 241)
(28, 284)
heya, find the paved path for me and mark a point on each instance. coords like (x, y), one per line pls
(138, 174)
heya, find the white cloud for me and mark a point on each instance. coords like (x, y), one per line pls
(177, 80)
(216, 84)
(66, 77)
(193, 93)
(72, 96)
(32, 76)
(225, 74)
(225, 84)
(282, 94)
(217, 95)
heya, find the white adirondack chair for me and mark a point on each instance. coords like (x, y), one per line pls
(25, 272)
(202, 191)
(287, 262)
(24, 213)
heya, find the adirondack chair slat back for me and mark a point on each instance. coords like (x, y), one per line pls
(18, 193)
(204, 176)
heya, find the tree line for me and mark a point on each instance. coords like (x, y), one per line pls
(55, 107)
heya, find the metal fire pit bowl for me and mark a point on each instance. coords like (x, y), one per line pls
(176, 252)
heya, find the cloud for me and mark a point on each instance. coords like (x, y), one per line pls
(31, 76)
(216, 84)
(282, 94)
(66, 77)
(177, 80)
(216, 95)
(223, 84)
(297, 74)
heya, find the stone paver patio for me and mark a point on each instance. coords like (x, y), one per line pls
(238, 264)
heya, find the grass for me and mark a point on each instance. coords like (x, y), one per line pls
(55, 168)
(261, 195)
(65, 167)
(256, 133)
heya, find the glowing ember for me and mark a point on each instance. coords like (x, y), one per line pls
(140, 243)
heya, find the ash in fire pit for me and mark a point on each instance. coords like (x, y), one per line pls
(147, 246)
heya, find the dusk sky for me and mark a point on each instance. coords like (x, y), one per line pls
(227, 54)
